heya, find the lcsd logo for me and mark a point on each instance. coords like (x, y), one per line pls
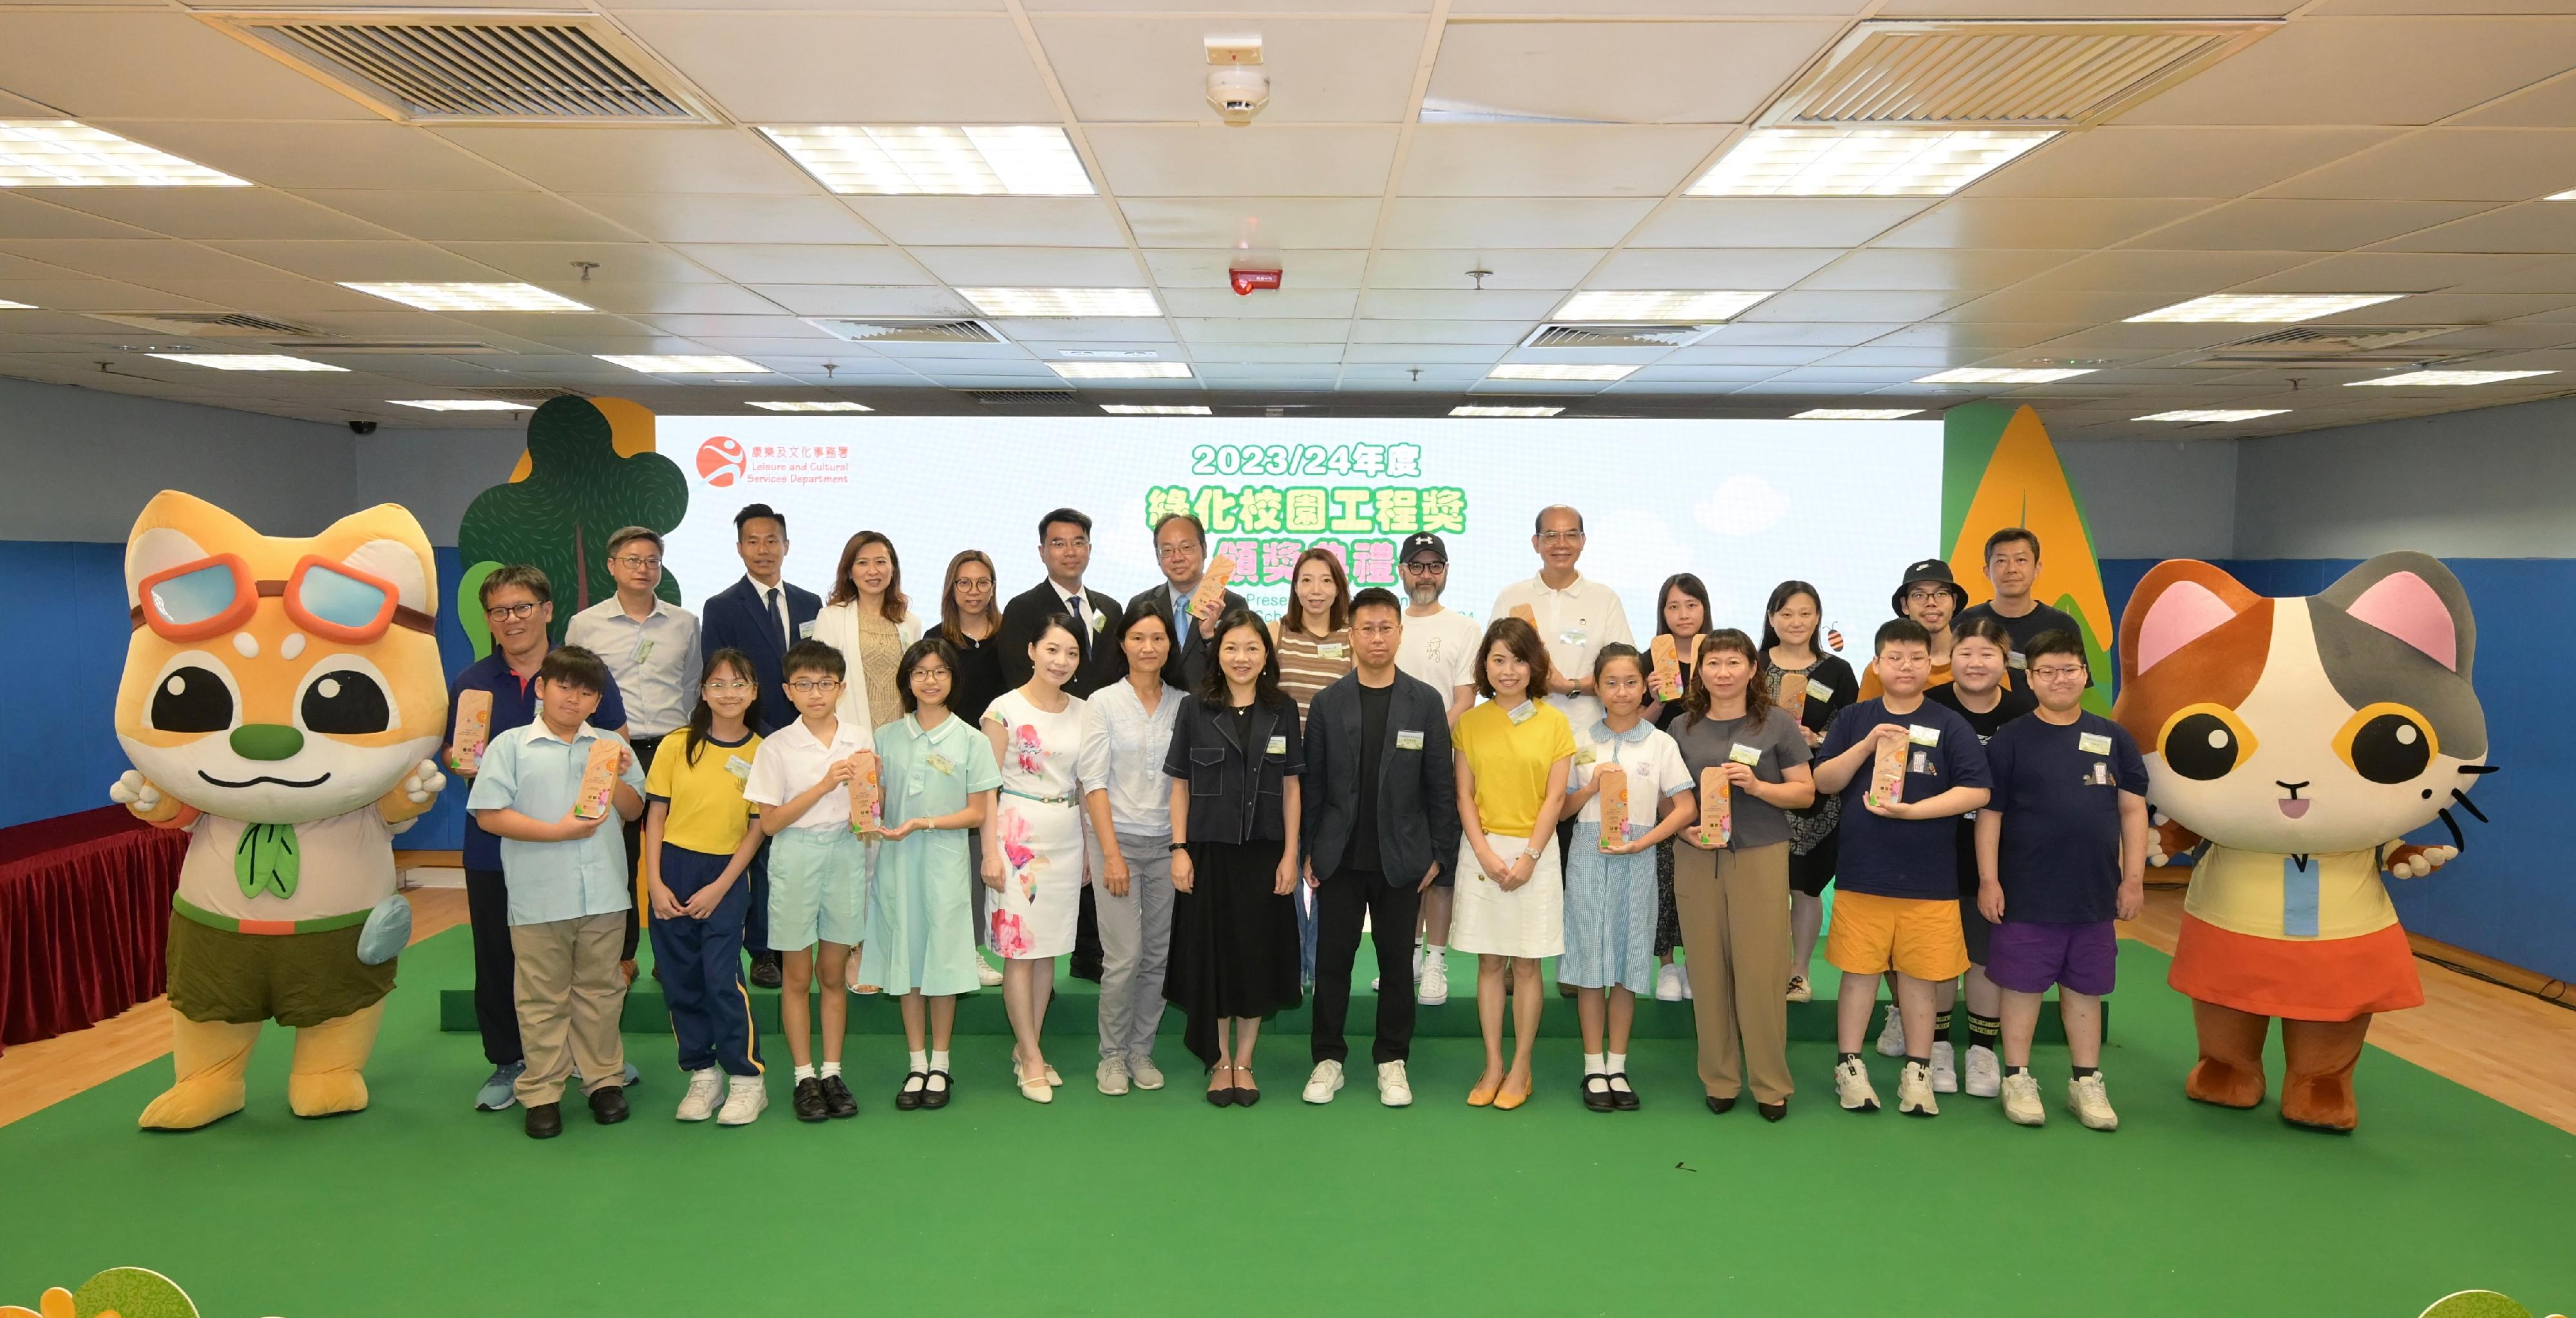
(720, 461)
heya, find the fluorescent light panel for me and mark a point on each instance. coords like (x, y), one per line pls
(1668, 304)
(2263, 308)
(470, 297)
(57, 153)
(1473, 409)
(1063, 301)
(1526, 371)
(246, 361)
(2412, 378)
(785, 405)
(915, 160)
(1142, 409)
(7, 305)
(1121, 370)
(2215, 414)
(1855, 413)
(1861, 162)
(683, 364)
(2003, 375)
(462, 404)
(2568, 195)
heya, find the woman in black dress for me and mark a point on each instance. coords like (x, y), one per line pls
(1235, 760)
(969, 622)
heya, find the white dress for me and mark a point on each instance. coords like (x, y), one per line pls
(1038, 829)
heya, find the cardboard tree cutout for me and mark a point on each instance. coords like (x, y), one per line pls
(1999, 469)
(2298, 740)
(281, 701)
(589, 470)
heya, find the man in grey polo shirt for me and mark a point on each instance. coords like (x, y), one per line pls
(651, 647)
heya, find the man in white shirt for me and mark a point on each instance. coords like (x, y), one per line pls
(1575, 615)
(1439, 646)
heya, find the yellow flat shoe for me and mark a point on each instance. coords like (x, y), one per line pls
(1505, 1100)
(1483, 1094)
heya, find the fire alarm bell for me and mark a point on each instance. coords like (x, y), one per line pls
(1247, 280)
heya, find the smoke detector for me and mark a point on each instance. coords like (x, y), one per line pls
(1238, 87)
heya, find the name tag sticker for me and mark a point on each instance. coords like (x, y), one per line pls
(1574, 636)
(1923, 736)
(1408, 739)
(2092, 743)
(2016, 659)
(643, 651)
(1277, 746)
(1922, 762)
(1521, 714)
(940, 763)
(2099, 775)
(1748, 756)
(739, 767)
(805, 631)
(1332, 650)
(1818, 691)
(1584, 755)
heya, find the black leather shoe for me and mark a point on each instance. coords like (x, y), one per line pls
(1622, 1096)
(1596, 1093)
(1772, 1111)
(765, 971)
(608, 1105)
(545, 1121)
(838, 1101)
(1081, 969)
(1720, 1106)
(808, 1100)
(936, 1096)
(907, 1098)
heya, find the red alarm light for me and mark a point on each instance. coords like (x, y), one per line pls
(1247, 280)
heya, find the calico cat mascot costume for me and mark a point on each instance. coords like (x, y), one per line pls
(2300, 739)
(281, 700)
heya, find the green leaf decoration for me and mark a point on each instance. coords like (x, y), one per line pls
(132, 1293)
(266, 860)
(578, 491)
(469, 607)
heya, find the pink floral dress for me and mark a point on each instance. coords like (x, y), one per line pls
(1038, 830)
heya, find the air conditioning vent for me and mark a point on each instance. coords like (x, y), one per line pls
(2331, 346)
(2001, 73)
(1024, 397)
(430, 347)
(205, 324)
(497, 68)
(907, 331)
(1613, 335)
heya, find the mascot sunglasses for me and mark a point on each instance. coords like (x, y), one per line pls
(215, 595)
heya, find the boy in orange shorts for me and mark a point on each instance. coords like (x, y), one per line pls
(1897, 905)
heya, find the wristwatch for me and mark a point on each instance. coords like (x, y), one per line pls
(1180, 846)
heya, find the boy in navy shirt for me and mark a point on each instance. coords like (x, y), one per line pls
(2061, 852)
(1898, 907)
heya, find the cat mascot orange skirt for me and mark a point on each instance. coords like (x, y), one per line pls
(2295, 742)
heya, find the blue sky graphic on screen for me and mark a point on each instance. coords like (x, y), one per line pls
(1745, 504)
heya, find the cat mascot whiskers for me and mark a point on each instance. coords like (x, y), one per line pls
(2299, 739)
(281, 700)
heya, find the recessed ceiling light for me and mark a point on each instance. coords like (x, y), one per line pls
(2568, 195)
(247, 361)
(1121, 370)
(470, 297)
(2215, 414)
(7, 305)
(2263, 308)
(462, 404)
(2451, 377)
(57, 153)
(1670, 304)
(683, 364)
(1141, 409)
(782, 405)
(924, 160)
(1063, 301)
(1855, 413)
(2003, 375)
(1472, 409)
(1544, 372)
(1861, 162)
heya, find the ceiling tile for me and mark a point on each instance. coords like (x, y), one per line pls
(1933, 268)
(1252, 224)
(791, 68)
(756, 263)
(696, 298)
(1796, 334)
(1032, 267)
(1981, 339)
(1800, 306)
(2264, 224)
(1286, 303)
(2118, 161)
(2015, 304)
(1644, 73)
(2368, 71)
(1193, 160)
(552, 264)
(998, 221)
(364, 262)
(2550, 104)
(1506, 267)
(1517, 306)
(1439, 331)
(2030, 222)
(1234, 330)
(2181, 274)
(2442, 164)
(137, 259)
(1554, 160)
(474, 216)
(2394, 272)
(373, 154)
(659, 159)
(214, 213)
(1132, 69)
(686, 219)
(1512, 222)
(1776, 221)
(1454, 354)
(95, 295)
(115, 64)
(272, 296)
(1118, 329)
(1209, 267)
(1750, 268)
(24, 216)
(2540, 226)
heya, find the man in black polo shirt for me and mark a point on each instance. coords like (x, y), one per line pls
(2012, 567)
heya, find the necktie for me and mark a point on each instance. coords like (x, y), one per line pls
(1081, 629)
(778, 619)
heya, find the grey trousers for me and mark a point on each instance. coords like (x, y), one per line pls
(1135, 946)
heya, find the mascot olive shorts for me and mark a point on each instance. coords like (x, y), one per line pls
(294, 979)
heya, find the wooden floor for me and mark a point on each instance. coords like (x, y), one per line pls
(2506, 1045)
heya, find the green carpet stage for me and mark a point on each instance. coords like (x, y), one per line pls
(1159, 1204)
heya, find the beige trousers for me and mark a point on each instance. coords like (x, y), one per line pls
(570, 992)
(1734, 912)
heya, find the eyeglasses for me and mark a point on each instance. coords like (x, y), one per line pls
(940, 673)
(810, 686)
(631, 561)
(1426, 564)
(511, 612)
(1559, 537)
(1177, 551)
(215, 595)
(1926, 595)
(724, 687)
(1079, 542)
(2054, 673)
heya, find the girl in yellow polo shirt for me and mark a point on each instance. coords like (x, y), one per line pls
(698, 840)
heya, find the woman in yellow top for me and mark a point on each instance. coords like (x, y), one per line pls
(1514, 754)
(698, 840)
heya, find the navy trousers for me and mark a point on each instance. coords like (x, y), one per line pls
(699, 964)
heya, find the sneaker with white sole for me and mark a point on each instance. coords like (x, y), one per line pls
(1914, 1091)
(2021, 1101)
(1435, 982)
(1147, 1076)
(1112, 1076)
(1393, 1089)
(704, 1088)
(1945, 1069)
(2090, 1101)
(1852, 1088)
(1800, 990)
(1325, 1082)
(745, 1099)
(1669, 984)
(986, 975)
(1891, 1036)
(1985, 1072)
(500, 1089)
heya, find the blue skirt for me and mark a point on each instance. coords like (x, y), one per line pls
(1609, 916)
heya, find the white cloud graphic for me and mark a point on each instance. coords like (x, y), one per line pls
(1741, 505)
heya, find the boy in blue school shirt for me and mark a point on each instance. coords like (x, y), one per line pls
(569, 891)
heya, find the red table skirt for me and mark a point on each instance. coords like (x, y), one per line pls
(84, 910)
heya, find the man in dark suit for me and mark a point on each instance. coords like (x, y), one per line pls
(1381, 821)
(761, 615)
(1064, 546)
(1180, 545)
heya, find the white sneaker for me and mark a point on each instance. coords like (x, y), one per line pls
(1985, 1072)
(1669, 984)
(1112, 1076)
(1851, 1086)
(700, 1102)
(1914, 1091)
(2090, 1102)
(745, 1098)
(1325, 1082)
(2021, 1101)
(985, 974)
(1393, 1089)
(1945, 1069)
(1435, 982)
(1891, 1037)
(1800, 990)
(1147, 1076)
